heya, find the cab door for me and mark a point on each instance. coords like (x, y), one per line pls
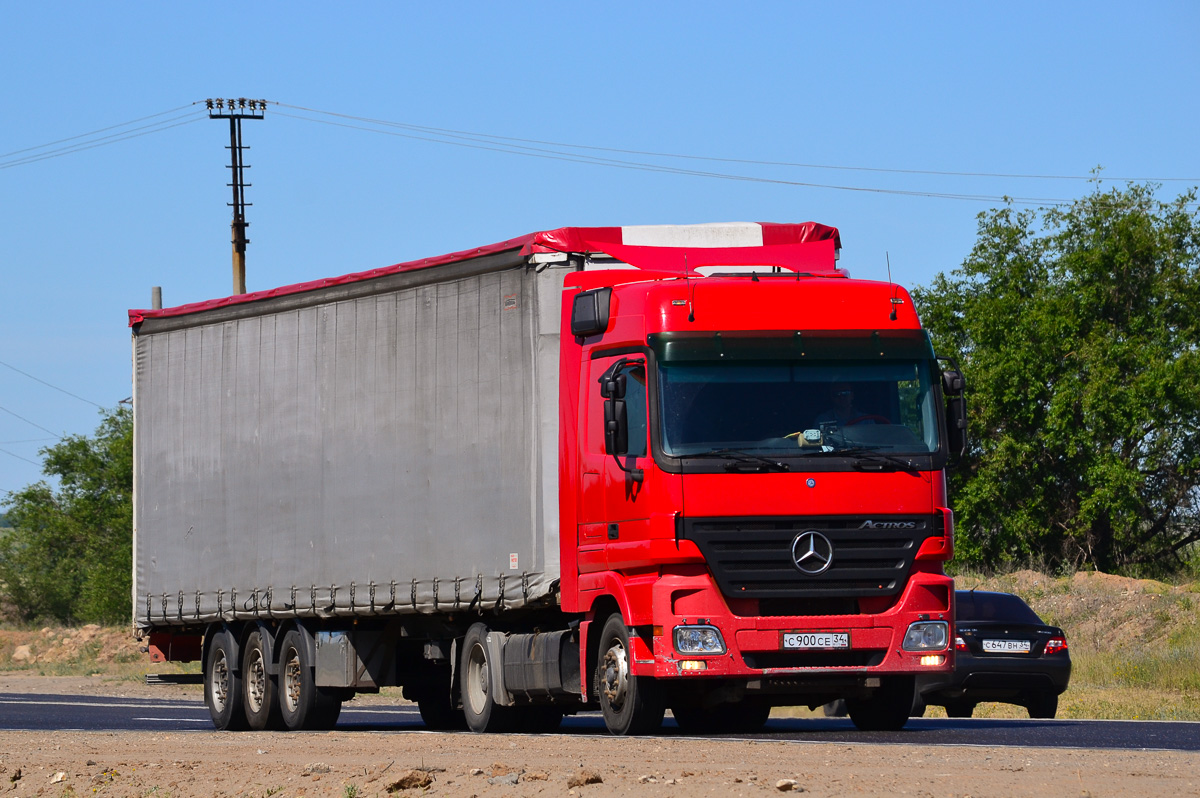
(612, 496)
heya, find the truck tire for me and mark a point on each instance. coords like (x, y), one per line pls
(302, 705)
(630, 704)
(887, 709)
(480, 710)
(223, 684)
(258, 686)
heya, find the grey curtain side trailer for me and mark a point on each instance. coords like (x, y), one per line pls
(378, 447)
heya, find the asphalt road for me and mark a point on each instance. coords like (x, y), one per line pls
(27, 712)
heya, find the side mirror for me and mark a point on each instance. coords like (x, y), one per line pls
(589, 312)
(953, 383)
(954, 386)
(956, 426)
(616, 427)
(612, 386)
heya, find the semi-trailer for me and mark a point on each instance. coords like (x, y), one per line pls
(632, 469)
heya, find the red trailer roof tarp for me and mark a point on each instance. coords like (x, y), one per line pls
(807, 246)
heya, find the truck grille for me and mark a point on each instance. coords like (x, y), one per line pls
(752, 557)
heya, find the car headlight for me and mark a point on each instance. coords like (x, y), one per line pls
(699, 640)
(927, 636)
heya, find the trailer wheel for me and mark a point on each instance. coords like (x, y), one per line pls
(475, 684)
(887, 709)
(303, 705)
(631, 704)
(258, 686)
(223, 684)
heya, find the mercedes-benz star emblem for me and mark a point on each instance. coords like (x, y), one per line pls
(812, 552)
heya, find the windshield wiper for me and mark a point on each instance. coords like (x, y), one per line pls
(864, 457)
(742, 459)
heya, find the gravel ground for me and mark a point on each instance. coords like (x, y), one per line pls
(346, 764)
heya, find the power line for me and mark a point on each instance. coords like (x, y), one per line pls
(538, 152)
(146, 130)
(880, 170)
(19, 457)
(48, 385)
(26, 440)
(31, 423)
(646, 167)
(94, 132)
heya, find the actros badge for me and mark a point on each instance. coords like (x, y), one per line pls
(812, 552)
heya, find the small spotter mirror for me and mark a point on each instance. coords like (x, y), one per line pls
(589, 312)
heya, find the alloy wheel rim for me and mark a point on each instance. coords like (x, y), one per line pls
(291, 681)
(256, 682)
(615, 682)
(220, 682)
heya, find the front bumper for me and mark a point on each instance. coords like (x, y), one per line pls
(754, 644)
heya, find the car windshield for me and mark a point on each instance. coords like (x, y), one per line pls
(779, 397)
(972, 605)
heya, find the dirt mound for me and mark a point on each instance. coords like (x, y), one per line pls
(64, 645)
(1102, 612)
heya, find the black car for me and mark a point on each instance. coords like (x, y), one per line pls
(1003, 652)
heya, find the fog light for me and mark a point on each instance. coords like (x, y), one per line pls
(693, 665)
(933, 659)
(699, 640)
(927, 636)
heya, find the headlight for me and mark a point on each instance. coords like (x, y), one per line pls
(927, 636)
(699, 640)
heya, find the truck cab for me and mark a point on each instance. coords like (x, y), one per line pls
(754, 465)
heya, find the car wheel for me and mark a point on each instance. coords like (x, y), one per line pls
(1042, 705)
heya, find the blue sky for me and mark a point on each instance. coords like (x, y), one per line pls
(1015, 88)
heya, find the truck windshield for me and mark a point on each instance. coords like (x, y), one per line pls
(777, 396)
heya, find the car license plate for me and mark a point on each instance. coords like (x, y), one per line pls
(806, 640)
(1006, 646)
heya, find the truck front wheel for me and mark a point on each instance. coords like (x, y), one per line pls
(631, 704)
(303, 705)
(223, 684)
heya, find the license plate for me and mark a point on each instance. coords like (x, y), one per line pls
(804, 640)
(1006, 646)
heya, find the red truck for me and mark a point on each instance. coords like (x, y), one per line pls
(632, 469)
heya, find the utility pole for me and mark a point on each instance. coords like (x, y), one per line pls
(235, 111)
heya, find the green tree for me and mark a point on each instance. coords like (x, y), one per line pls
(68, 556)
(1078, 330)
